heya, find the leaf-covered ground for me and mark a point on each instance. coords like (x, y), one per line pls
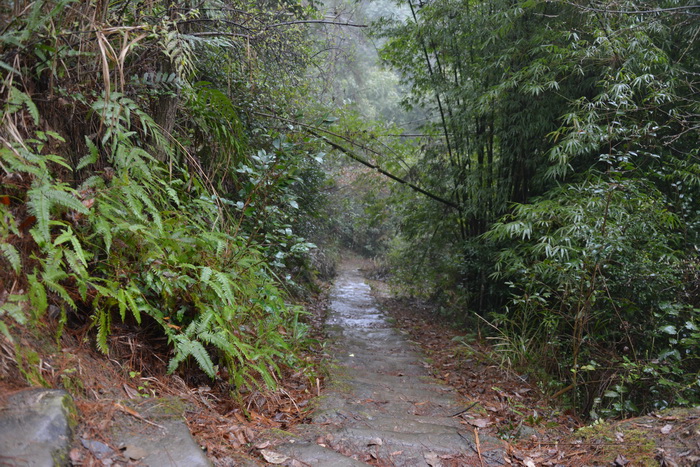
(503, 403)
(538, 430)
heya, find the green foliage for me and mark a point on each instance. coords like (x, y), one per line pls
(569, 140)
(177, 225)
(592, 269)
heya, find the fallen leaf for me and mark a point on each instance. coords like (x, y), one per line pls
(263, 445)
(131, 392)
(480, 422)
(529, 462)
(75, 455)
(666, 429)
(432, 459)
(621, 460)
(375, 442)
(134, 452)
(97, 448)
(273, 457)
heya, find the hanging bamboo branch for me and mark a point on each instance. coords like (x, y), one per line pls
(376, 167)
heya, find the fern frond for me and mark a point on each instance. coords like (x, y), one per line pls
(104, 328)
(11, 255)
(43, 197)
(94, 181)
(226, 287)
(206, 273)
(131, 301)
(184, 347)
(16, 99)
(152, 210)
(104, 229)
(13, 308)
(37, 296)
(91, 157)
(75, 263)
(5, 331)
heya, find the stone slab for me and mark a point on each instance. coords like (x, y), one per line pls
(36, 428)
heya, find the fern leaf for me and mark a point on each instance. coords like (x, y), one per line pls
(104, 327)
(202, 357)
(10, 253)
(103, 228)
(78, 249)
(43, 197)
(75, 264)
(8, 68)
(91, 157)
(13, 308)
(226, 287)
(4, 330)
(40, 207)
(59, 290)
(18, 98)
(37, 295)
(94, 181)
(152, 210)
(122, 304)
(184, 348)
(133, 306)
(206, 274)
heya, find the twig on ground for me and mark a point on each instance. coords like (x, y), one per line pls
(465, 410)
(478, 446)
(137, 415)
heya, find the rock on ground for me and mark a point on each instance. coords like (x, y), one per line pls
(36, 428)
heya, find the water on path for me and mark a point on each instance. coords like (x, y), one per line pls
(382, 408)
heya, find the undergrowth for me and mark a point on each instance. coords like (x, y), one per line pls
(111, 216)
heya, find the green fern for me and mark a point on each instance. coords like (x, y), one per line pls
(37, 296)
(13, 307)
(91, 157)
(43, 198)
(103, 319)
(11, 255)
(17, 99)
(184, 348)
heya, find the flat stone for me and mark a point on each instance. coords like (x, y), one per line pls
(36, 428)
(310, 453)
(170, 444)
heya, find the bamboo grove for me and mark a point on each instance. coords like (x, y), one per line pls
(569, 140)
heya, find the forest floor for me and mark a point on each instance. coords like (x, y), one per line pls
(536, 430)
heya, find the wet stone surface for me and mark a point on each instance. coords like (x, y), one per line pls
(36, 428)
(382, 408)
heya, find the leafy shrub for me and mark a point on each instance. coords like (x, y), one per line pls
(596, 276)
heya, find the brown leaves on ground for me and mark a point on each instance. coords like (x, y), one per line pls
(226, 427)
(504, 404)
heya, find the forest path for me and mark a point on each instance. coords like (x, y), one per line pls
(382, 407)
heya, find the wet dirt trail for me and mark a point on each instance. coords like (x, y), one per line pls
(381, 407)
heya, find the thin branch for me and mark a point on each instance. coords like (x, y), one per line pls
(316, 21)
(637, 12)
(415, 135)
(376, 167)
